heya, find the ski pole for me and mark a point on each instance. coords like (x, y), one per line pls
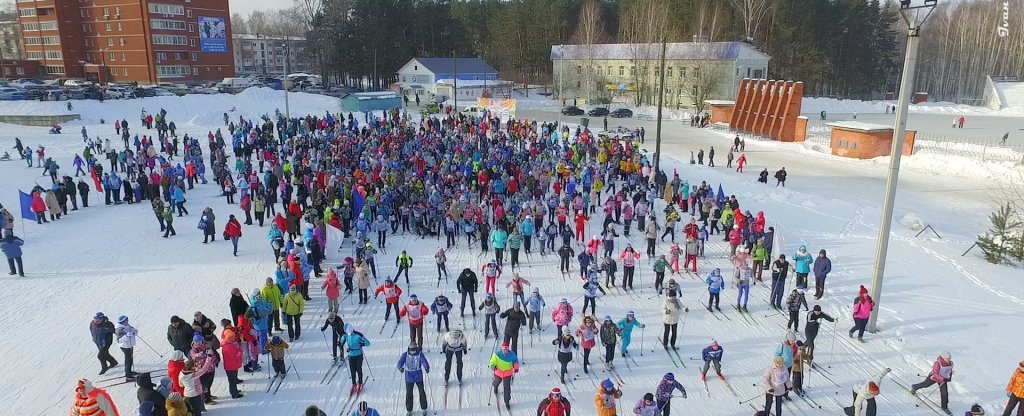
(643, 329)
(369, 369)
(750, 399)
(832, 349)
(150, 346)
(296, 370)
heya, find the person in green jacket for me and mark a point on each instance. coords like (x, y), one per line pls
(272, 294)
(293, 305)
(515, 242)
(659, 272)
(760, 255)
(168, 219)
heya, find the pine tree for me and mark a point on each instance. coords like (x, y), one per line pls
(1002, 241)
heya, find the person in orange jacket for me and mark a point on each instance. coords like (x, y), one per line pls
(416, 311)
(391, 293)
(91, 401)
(1015, 391)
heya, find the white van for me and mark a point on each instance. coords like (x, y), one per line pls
(233, 85)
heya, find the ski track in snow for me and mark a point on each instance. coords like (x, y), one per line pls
(111, 259)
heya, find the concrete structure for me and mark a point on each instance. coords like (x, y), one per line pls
(10, 40)
(371, 101)
(614, 71)
(38, 121)
(866, 140)
(721, 110)
(145, 41)
(265, 55)
(420, 75)
(768, 108)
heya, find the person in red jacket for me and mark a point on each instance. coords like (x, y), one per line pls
(417, 311)
(333, 290)
(554, 404)
(581, 224)
(233, 231)
(391, 293)
(231, 351)
(174, 366)
(39, 207)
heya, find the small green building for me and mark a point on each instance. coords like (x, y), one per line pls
(371, 101)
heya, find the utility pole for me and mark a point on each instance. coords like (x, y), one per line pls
(455, 81)
(287, 82)
(661, 102)
(914, 17)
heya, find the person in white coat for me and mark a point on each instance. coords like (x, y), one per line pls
(776, 384)
(192, 386)
(670, 311)
(126, 338)
(864, 395)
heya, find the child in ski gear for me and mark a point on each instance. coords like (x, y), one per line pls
(491, 308)
(609, 334)
(776, 383)
(533, 306)
(590, 289)
(712, 355)
(626, 326)
(942, 373)
(277, 348)
(337, 333)
(561, 315)
(605, 397)
(646, 406)
(663, 393)
(793, 303)
(554, 404)
(413, 364)
(864, 395)
(566, 347)
(659, 272)
(802, 262)
(454, 345)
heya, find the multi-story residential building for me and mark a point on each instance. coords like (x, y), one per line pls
(269, 55)
(145, 41)
(694, 71)
(10, 39)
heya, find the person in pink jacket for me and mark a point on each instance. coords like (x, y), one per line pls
(941, 374)
(735, 237)
(629, 258)
(862, 307)
(333, 289)
(561, 315)
(593, 245)
(231, 353)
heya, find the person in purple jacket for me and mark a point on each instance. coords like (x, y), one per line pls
(822, 267)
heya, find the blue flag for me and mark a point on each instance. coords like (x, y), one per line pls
(721, 195)
(26, 206)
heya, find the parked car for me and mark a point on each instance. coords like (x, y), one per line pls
(13, 94)
(621, 113)
(572, 111)
(55, 95)
(320, 91)
(473, 110)
(598, 112)
(117, 92)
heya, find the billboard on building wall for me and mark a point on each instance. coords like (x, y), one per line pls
(212, 35)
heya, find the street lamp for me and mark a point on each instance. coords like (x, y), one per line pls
(914, 17)
(285, 82)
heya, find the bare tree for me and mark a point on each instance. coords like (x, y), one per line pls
(707, 21)
(309, 10)
(239, 24)
(706, 76)
(589, 32)
(642, 25)
(751, 14)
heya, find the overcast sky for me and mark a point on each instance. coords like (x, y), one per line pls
(246, 6)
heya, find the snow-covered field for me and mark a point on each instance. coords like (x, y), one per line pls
(112, 259)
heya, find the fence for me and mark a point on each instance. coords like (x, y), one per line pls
(924, 144)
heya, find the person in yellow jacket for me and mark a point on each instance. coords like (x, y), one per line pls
(605, 398)
(277, 348)
(1015, 391)
(175, 405)
(293, 305)
(272, 293)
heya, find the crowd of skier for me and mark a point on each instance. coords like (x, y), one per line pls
(507, 191)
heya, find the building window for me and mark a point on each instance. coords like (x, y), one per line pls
(192, 43)
(669, 73)
(110, 41)
(19, 70)
(54, 55)
(107, 26)
(579, 70)
(632, 70)
(123, 58)
(27, 12)
(117, 11)
(163, 24)
(83, 12)
(171, 9)
(124, 71)
(191, 28)
(190, 13)
(622, 71)
(169, 40)
(51, 40)
(53, 69)
(123, 42)
(32, 41)
(85, 28)
(34, 54)
(118, 26)
(112, 57)
(170, 71)
(682, 72)
(29, 26)
(113, 71)
(195, 71)
(195, 57)
(758, 73)
(106, 12)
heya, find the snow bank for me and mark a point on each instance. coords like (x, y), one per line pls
(912, 222)
(815, 105)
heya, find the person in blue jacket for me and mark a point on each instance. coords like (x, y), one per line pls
(499, 237)
(527, 229)
(260, 312)
(11, 246)
(414, 364)
(802, 266)
(179, 200)
(354, 342)
(715, 285)
(381, 227)
(712, 355)
(626, 326)
(364, 409)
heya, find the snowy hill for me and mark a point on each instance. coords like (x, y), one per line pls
(112, 259)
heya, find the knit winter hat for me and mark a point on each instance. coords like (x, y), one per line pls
(648, 397)
(122, 319)
(863, 291)
(873, 388)
(177, 355)
(99, 316)
(556, 391)
(714, 343)
(976, 409)
(197, 337)
(817, 308)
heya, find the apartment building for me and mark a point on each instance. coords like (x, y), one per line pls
(140, 41)
(269, 55)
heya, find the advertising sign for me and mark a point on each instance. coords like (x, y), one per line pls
(212, 35)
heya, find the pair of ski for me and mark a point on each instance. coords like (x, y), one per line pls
(275, 382)
(673, 354)
(446, 396)
(745, 314)
(353, 398)
(332, 371)
(923, 399)
(713, 312)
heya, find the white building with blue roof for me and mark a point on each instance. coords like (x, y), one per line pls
(421, 75)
